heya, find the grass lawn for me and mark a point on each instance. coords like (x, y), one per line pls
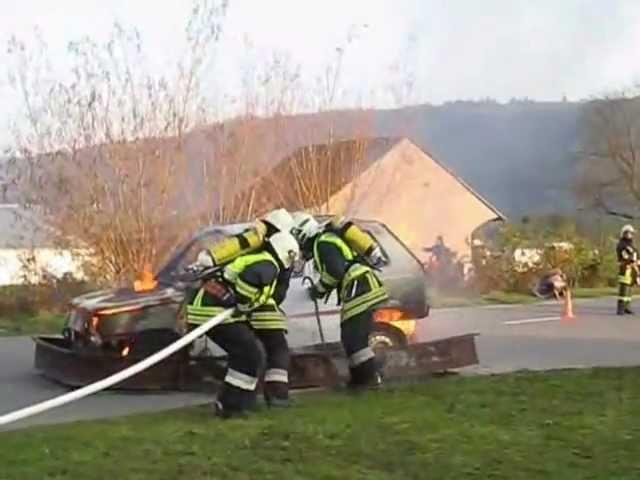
(563, 425)
(507, 298)
(43, 322)
(595, 292)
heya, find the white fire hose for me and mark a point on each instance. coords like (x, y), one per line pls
(116, 377)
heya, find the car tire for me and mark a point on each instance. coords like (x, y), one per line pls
(383, 338)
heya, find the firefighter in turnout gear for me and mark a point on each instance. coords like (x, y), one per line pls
(248, 284)
(359, 290)
(628, 270)
(269, 322)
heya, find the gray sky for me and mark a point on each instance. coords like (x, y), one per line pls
(462, 49)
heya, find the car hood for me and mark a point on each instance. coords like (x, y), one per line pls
(127, 297)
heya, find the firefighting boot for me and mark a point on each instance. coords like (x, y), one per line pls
(251, 403)
(627, 309)
(226, 413)
(276, 395)
(232, 402)
(621, 307)
(365, 377)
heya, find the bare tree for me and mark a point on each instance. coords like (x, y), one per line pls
(403, 74)
(100, 154)
(127, 162)
(311, 175)
(328, 83)
(610, 164)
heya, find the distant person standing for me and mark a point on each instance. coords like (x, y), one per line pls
(628, 270)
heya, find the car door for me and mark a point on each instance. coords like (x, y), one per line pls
(301, 314)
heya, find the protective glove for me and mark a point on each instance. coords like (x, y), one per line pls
(375, 257)
(203, 260)
(314, 294)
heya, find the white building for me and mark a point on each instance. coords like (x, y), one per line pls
(27, 254)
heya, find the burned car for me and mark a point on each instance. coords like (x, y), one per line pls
(109, 330)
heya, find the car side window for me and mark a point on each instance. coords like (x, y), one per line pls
(192, 252)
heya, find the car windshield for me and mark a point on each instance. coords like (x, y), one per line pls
(187, 254)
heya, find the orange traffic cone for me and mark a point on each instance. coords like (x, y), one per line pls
(567, 314)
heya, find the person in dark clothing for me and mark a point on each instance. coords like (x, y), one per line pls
(269, 323)
(628, 269)
(249, 284)
(359, 289)
(552, 285)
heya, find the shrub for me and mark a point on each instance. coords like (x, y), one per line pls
(29, 300)
(585, 262)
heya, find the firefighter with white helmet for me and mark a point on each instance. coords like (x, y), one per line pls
(269, 326)
(360, 290)
(249, 285)
(628, 269)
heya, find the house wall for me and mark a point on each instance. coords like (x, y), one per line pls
(417, 198)
(15, 268)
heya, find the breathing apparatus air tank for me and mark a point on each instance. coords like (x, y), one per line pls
(230, 248)
(359, 240)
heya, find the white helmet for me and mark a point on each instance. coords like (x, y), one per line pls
(627, 229)
(305, 226)
(280, 219)
(285, 247)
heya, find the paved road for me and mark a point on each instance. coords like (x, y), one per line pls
(510, 338)
(534, 337)
(20, 386)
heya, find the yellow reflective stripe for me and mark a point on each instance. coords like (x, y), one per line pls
(353, 273)
(349, 313)
(255, 314)
(198, 300)
(246, 289)
(269, 325)
(207, 308)
(270, 319)
(328, 279)
(355, 308)
(198, 314)
(257, 296)
(366, 301)
(203, 314)
(379, 292)
(199, 320)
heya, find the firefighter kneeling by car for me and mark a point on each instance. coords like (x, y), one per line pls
(628, 270)
(359, 291)
(248, 284)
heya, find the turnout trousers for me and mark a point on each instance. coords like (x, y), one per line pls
(238, 391)
(354, 334)
(276, 375)
(625, 280)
